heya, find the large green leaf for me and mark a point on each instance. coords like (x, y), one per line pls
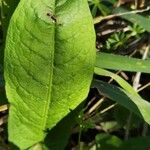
(117, 62)
(48, 66)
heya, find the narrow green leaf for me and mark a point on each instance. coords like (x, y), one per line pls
(48, 66)
(118, 95)
(134, 18)
(134, 102)
(118, 79)
(117, 62)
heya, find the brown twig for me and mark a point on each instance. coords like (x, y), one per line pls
(101, 18)
(3, 108)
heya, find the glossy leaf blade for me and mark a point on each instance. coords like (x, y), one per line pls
(123, 98)
(117, 62)
(137, 104)
(49, 61)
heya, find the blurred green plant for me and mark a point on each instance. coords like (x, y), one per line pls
(124, 94)
(97, 5)
(120, 39)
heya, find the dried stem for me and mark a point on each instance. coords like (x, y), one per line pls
(3, 108)
(101, 18)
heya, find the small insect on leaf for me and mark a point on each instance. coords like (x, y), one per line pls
(53, 17)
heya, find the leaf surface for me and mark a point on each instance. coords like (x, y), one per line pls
(132, 100)
(125, 99)
(49, 63)
(117, 62)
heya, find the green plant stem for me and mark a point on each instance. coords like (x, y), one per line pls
(127, 132)
(79, 138)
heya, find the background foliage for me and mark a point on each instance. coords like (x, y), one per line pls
(116, 112)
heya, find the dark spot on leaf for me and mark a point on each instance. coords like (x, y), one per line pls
(48, 14)
(53, 17)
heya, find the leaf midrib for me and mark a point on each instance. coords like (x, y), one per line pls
(49, 95)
